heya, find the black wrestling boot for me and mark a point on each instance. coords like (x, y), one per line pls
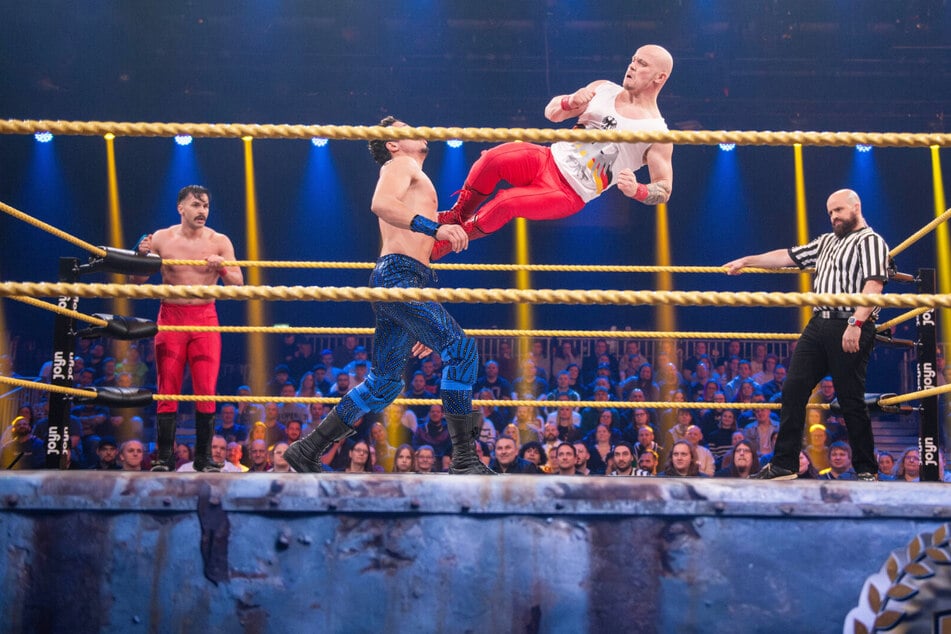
(463, 431)
(304, 455)
(204, 430)
(165, 439)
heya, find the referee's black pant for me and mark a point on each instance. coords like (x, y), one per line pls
(819, 353)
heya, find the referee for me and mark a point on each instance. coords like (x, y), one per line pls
(838, 340)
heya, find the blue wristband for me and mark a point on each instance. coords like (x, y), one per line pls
(419, 224)
(140, 241)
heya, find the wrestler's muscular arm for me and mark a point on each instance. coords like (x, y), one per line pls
(577, 102)
(144, 247)
(396, 179)
(660, 165)
(230, 275)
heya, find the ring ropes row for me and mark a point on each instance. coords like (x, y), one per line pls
(473, 295)
(90, 394)
(483, 134)
(560, 268)
(683, 137)
(824, 138)
(490, 135)
(475, 332)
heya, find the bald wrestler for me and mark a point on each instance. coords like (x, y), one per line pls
(557, 181)
(201, 351)
(405, 204)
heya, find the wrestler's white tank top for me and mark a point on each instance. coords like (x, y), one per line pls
(590, 168)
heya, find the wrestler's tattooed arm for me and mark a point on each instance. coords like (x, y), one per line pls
(657, 193)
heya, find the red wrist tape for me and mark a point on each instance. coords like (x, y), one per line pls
(641, 194)
(566, 103)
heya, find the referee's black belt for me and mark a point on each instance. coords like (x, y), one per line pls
(837, 314)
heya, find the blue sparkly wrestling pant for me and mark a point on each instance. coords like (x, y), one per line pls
(399, 325)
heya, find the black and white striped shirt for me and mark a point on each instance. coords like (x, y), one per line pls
(843, 265)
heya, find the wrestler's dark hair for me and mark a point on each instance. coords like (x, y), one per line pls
(195, 190)
(378, 146)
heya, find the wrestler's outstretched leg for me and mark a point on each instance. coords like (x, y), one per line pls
(547, 199)
(392, 347)
(459, 373)
(432, 325)
(304, 455)
(514, 163)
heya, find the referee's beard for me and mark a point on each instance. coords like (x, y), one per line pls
(845, 227)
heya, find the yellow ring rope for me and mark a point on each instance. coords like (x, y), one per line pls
(217, 398)
(473, 295)
(82, 244)
(61, 311)
(583, 268)
(901, 318)
(492, 332)
(479, 402)
(920, 233)
(474, 332)
(892, 400)
(491, 135)
(293, 264)
(904, 398)
(554, 268)
(560, 268)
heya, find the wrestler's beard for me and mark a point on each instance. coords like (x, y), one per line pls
(845, 227)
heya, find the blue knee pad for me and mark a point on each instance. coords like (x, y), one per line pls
(376, 392)
(460, 364)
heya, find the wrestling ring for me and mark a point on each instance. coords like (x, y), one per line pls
(904, 594)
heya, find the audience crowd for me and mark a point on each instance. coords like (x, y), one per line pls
(614, 437)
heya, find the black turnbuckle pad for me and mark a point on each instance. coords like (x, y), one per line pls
(874, 404)
(897, 408)
(121, 327)
(118, 396)
(123, 261)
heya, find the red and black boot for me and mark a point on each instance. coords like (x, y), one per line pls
(464, 207)
(443, 247)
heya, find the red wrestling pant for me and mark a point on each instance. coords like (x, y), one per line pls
(538, 192)
(200, 350)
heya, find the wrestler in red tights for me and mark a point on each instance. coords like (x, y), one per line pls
(557, 181)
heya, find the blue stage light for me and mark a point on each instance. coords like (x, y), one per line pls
(319, 141)
(728, 147)
(183, 139)
(863, 148)
(43, 137)
(454, 143)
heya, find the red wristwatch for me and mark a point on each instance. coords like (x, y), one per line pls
(855, 322)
